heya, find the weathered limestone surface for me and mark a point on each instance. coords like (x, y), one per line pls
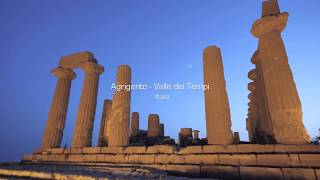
(82, 136)
(217, 161)
(105, 123)
(218, 121)
(58, 111)
(120, 113)
(134, 124)
(282, 100)
(153, 125)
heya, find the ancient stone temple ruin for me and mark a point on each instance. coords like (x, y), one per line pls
(278, 142)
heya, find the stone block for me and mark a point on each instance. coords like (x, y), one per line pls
(294, 159)
(161, 159)
(120, 158)
(280, 148)
(101, 157)
(309, 148)
(117, 158)
(147, 158)
(185, 170)
(310, 160)
(134, 158)
(91, 150)
(255, 148)
(160, 149)
(261, 173)
(299, 173)
(317, 173)
(220, 149)
(57, 151)
(112, 150)
(39, 157)
(27, 157)
(220, 172)
(56, 158)
(207, 159)
(76, 150)
(273, 160)
(176, 159)
(190, 150)
(160, 167)
(67, 151)
(135, 150)
(247, 159)
(90, 157)
(75, 158)
(228, 159)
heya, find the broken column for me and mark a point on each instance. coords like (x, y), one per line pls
(105, 123)
(120, 113)
(153, 126)
(185, 136)
(161, 129)
(218, 121)
(196, 134)
(82, 136)
(282, 100)
(236, 138)
(58, 111)
(134, 124)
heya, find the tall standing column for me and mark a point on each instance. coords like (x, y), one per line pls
(105, 123)
(218, 121)
(58, 111)
(82, 136)
(120, 113)
(134, 123)
(281, 93)
(153, 125)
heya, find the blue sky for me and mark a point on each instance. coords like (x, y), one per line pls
(159, 39)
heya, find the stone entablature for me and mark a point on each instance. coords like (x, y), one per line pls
(217, 161)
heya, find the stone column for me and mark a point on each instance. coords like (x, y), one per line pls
(196, 134)
(282, 98)
(236, 138)
(134, 124)
(218, 121)
(120, 113)
(185, 136)
(105, 123)
(153, 125)
(82, 135)
(58, 111)
(161, 129)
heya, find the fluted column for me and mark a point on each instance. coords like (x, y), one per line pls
(120, 113)
(82, 136)
(153, 125)
(105, 123)
(58, 111)
(134, 123)
(282, 98)
(218, 121)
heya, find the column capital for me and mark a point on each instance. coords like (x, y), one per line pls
(91, 67)
(64, 73)
(271, 23)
